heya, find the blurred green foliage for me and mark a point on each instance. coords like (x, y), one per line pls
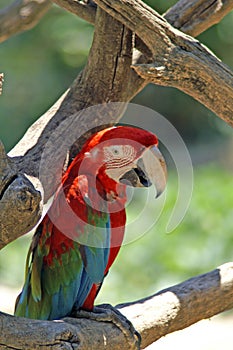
(38, 66)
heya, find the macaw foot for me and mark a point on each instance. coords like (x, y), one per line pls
(108, 313)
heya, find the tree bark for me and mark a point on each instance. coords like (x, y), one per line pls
(21, 15)
(178, 60)
(82, 9)
(194, 17)
(20, 200)
(169, 58)
(191, 17)
(165, 312)
(92, 87)
(180, 306)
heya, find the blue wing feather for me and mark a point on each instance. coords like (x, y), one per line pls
(52, 288)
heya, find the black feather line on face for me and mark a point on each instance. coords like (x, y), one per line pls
(136, 177)
(130, 178)
(141, 173)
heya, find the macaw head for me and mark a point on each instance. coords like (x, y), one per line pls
(128, 155)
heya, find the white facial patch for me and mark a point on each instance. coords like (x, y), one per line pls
(118, 156)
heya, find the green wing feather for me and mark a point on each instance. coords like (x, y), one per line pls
(60, 272)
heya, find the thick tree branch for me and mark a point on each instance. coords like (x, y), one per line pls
(21, 15)
(79, 334)
(190, 16)
(82, 9)
(20, 199)
(179, 60)
(42, 151)
(167, 311)
(180, 306)
(194, 17)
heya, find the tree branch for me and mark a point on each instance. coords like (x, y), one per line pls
(82, 9)
(20, 197)
(180, 306)
(179, 60)
(194, 17)
(69, 333)
(42, 151)
(21, 15)
(190, 16)
(167, 311)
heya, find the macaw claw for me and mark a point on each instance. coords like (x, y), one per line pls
(108, 313)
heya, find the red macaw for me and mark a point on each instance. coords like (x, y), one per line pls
(80, 236)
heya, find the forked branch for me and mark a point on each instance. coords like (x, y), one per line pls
(178, 60)
(42, 151)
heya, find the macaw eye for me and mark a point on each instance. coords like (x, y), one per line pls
(116, 150)
(119, 154)
(113, 152)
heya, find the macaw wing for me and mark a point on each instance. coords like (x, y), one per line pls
(61, 271)
(94, 242)
(52, 277)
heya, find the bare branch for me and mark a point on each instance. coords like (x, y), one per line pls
(83, 9)
(42, 151)
(167, 311)
(191, 17)
(179, 60)
(194, 17)
(180, 306)
(19, 200)
(21, 15)
(20, 333)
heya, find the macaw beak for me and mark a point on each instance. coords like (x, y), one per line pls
(150, 169)
(155, 168)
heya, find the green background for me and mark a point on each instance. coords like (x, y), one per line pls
(38, 66)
